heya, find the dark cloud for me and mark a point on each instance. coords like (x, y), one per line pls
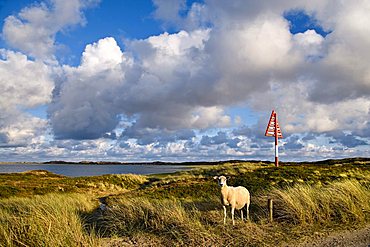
(220, 138)
(293, 143)
(85, 122)
(110, 135)
(4, 138)
(75, 145)
(309, 137)
(244, 131)
(346, 139)
(161, 137)
(364, 132)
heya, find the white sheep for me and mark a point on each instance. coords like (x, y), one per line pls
(236, 197)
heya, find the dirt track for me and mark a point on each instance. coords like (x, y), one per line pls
(355, 238)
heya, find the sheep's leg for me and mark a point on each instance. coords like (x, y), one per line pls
(248, 212)
(225, 215)
(232, 215)
(241, 214)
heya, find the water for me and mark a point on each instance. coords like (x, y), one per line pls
(76, 170)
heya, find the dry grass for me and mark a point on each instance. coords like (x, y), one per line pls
(75, 220)
(339, 202)
(171, 222)
(183, 209)
(51, 220)
(140, 216)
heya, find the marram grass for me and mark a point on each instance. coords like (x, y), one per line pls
(168, 218)
(184, 209)
(48, 220)
(342, 202)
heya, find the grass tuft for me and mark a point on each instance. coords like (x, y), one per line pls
(339, 202)
(142, 216)
(50, 220)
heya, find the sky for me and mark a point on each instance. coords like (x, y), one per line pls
(178, 80)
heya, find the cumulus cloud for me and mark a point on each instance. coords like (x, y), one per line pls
(84, 105)
(255, 38)
(24, 84)
(158, 88)
(174, 82)
(160, 95)
(310, 44)
(33, 29)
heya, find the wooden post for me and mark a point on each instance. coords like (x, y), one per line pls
(271, 209)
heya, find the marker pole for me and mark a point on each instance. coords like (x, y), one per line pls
(276, 144)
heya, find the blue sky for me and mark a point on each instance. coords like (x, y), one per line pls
(183, 80)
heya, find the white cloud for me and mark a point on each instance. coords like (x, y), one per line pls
(24, 84)
(33, 30)
(209, 117)
(185, 80)
(310, 44)
(101, 56)
(168, 86)
(25, 131)
(264, 44)
(151, 87)
(178, 44)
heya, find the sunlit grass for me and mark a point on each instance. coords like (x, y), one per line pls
(339, 202)
(50, 220)
(44, 182)
(183, 209)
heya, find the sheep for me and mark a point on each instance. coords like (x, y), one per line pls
(236, 197)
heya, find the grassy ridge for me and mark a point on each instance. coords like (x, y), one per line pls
(43, 182)
(183, 208)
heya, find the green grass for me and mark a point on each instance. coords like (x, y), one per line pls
(44, 182)
(44, 209)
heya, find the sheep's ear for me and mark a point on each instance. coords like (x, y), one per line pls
(228, 177)
(215, 177)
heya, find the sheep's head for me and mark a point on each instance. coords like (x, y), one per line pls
(221, 180)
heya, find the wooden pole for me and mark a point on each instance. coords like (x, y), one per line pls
(270, 208)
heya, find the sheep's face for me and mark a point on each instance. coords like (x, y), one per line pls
(221, 180)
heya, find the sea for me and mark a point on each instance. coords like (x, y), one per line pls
(82, 170)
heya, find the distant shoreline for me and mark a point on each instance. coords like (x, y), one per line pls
(190, 163)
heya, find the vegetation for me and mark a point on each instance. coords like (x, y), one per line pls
(43, 182)
(43, 209)
(343, 202)
(50, 220)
